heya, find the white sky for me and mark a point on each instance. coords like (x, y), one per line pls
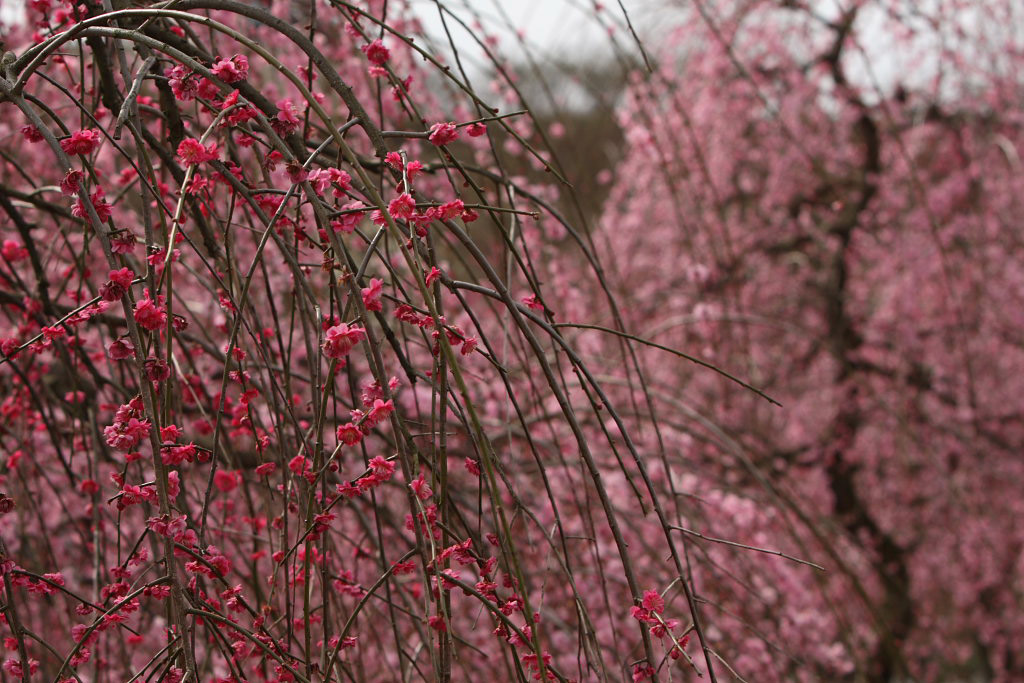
(545, 22)
(555, 24)
(577, 29)
(11, 10)
(564, 27)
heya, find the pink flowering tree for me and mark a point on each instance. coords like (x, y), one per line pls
(314, 370)
(825, 204)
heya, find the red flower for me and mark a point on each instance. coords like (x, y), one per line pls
(287, 119)
(340, 339)
(70, 183)
(149, 314)
(349, 434)
(371, 295)
(13, 252)
(653, 601)
(123, 436)
(443, 133)
(421, 488)
(382, 468)
(380, 410)
(123, 277)
(115, 288)
(157, 370)
(120, 349)
(266, 469)
(226, 481)
(81, 142)
(192, 152)
(453, 209)
(533, 303)
(183, 83)
(642, 672)
(103, 209)
(231, 70)
(402, 207)
(31, 134)
(376, 52)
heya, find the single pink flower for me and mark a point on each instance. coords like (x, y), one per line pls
(81, 142)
